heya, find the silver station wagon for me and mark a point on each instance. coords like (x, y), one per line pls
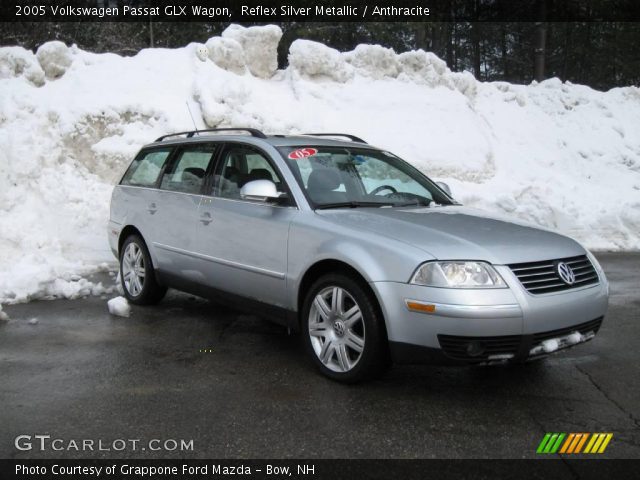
(368, 258)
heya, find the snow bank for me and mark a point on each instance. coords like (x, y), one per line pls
(260, 46)
(55, 58)
(559, 155)
(227, 53)
(119, 306)
(18, 62)
(316, 61)
(3, 315)
(201, 51)
(374, 61)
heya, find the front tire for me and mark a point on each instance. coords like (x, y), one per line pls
(137, 275)
(343, 329)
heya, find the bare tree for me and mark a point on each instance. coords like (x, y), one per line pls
(540, 43)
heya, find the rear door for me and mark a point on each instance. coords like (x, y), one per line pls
(135, 200)
(179, 195)
(245, 242)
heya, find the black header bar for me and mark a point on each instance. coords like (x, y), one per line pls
(264, 11)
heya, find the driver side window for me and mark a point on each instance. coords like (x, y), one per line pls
(239, 165)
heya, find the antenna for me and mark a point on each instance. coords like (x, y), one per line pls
(194, 122)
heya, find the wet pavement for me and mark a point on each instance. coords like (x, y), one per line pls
(240, 387)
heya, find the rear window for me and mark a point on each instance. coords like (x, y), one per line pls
(145, 169)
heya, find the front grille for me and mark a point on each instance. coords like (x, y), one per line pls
(542, 277)
(583, 328)
(457, 347)
(508, 347)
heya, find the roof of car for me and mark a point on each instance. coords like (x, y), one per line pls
(256, 137)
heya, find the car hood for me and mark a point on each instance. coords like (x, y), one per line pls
(460, 233)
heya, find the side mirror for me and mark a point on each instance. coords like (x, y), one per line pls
(260, 191)
(444, 187)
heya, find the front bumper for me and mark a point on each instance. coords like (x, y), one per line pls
(502, 324)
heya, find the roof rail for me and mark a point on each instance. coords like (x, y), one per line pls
(253, 131)
(353, 138)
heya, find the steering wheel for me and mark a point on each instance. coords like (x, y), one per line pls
(379, 189)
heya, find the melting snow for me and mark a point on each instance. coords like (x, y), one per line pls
(119, 306)
(3, 315)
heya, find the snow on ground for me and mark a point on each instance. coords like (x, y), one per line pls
(559, 155)
(119, 306)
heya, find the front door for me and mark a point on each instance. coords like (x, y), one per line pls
(245, 242)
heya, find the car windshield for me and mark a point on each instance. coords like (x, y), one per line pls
(337, 177)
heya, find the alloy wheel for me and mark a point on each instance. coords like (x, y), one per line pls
(336, 329)
(133, 269)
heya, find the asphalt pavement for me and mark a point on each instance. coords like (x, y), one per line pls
(240, 387)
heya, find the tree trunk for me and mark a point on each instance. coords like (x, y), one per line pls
(421, 35)
(504, 53)
(541, 43)
(450, 45)
(566, 73)
(475, 43)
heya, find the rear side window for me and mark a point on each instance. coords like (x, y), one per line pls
(187, 173)
(145, 169)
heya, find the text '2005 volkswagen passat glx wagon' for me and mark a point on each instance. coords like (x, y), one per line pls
(359, 251)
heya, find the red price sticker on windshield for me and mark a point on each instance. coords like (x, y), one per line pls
(302, 153)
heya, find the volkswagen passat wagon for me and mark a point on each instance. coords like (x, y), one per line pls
(363, 254)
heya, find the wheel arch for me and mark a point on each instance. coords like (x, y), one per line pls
(330, 265)
(127, 232)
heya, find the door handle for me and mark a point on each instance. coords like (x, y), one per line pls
(152, 208)
(206, 219)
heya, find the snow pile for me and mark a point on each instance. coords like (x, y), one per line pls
(3, 315)
(202, 52)
(18, 62)
(119, 306)
(559, 155)
(550, 345)
(374, 61)
(553, 344)
(55, 58)
(574, 337)
(260, 45)
(316, 61)
(227, 53)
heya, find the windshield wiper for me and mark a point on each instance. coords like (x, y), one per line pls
(353, 205)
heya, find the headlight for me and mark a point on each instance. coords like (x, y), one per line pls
(455, 274)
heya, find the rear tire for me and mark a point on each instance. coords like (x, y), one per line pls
(343, 329)
(137, 275)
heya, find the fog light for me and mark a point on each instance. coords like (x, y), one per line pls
(475, 349)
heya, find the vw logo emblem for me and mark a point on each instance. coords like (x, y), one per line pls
(565, 273)
(338, 327)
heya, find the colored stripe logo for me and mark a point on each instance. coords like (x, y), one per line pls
(572, 443)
